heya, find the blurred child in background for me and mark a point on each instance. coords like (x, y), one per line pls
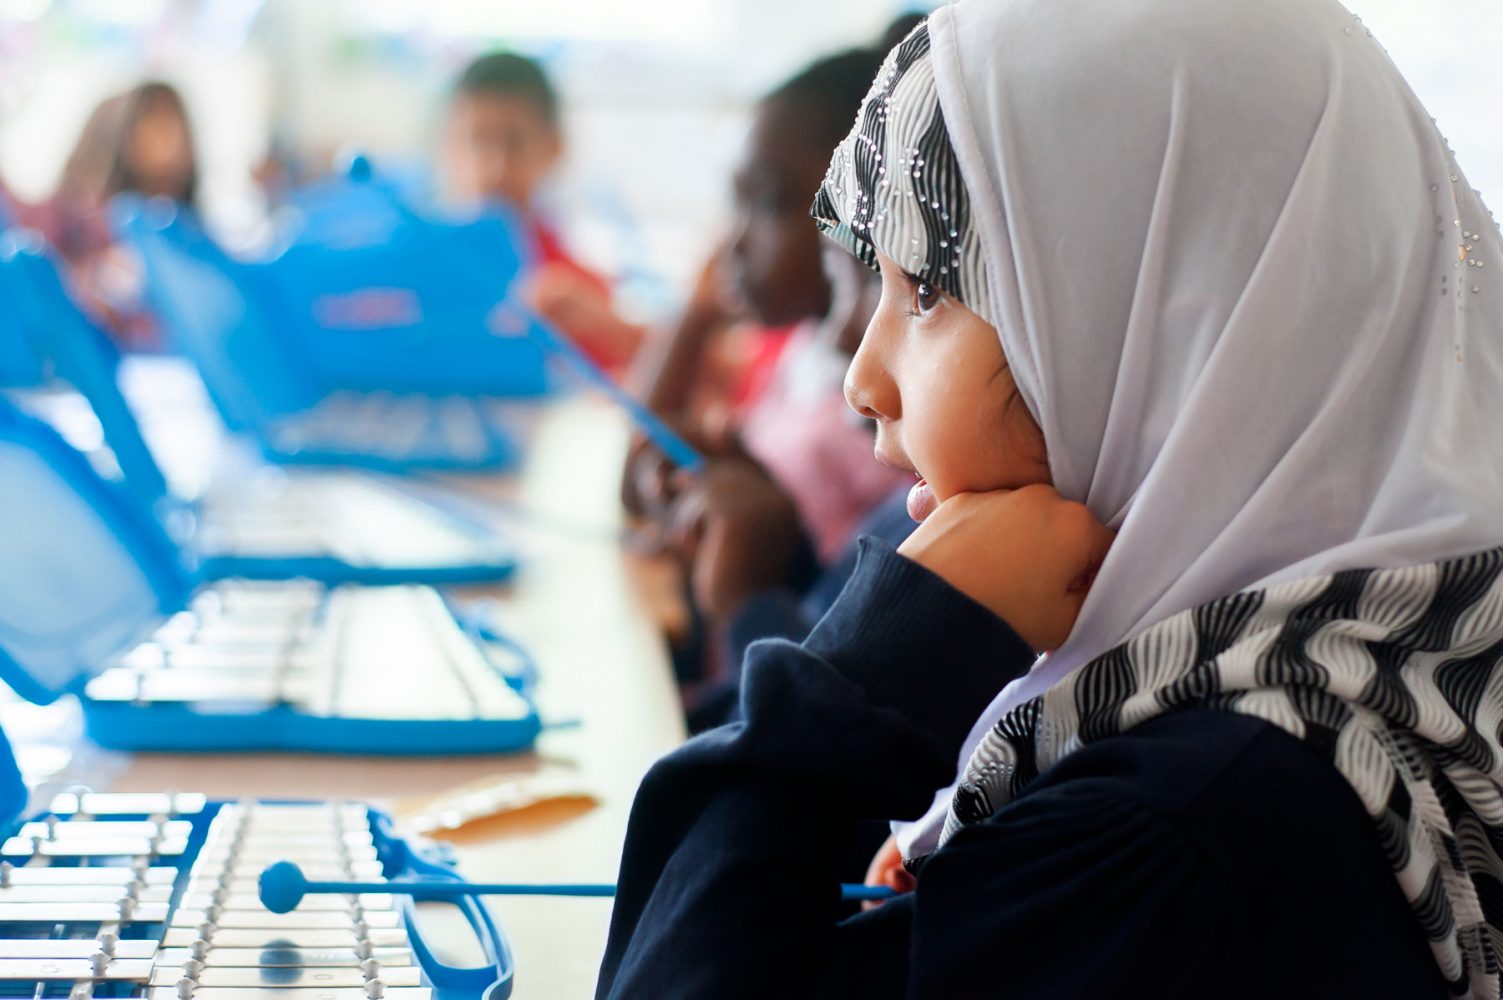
(139, 142)
(503, 140)
(791, 473)
(7, 207)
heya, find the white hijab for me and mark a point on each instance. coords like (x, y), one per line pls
(1244, 289)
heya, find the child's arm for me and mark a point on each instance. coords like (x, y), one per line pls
(575, 303)
(728, 881)
(669, 367)
(738, 533)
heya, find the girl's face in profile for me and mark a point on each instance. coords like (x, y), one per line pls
(932, 374)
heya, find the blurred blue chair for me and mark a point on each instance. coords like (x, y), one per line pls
(329, 526)
(230, 320)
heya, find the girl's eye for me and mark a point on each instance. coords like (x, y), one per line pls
(926, 295)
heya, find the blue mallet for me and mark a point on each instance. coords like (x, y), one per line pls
(283, 887)
(678, 451)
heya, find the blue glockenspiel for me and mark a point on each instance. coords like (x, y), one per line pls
(154, 896)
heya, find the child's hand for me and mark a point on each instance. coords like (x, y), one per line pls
(1026, 554)
(649, 481)
(737, 532)
(582, 310)
(887, 870)
(647, 476)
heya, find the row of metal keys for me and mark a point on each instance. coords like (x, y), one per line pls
(87, 911)
(81, 899)
(363, 652)
(223, 945)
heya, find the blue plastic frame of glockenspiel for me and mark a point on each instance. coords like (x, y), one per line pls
(179, 727)
(399, 857)
(73, 348)
(284, 443)
(332, 571)
(55, 329)
(224, 316)
(21, 363)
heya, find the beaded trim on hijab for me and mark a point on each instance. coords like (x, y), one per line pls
(894, 184)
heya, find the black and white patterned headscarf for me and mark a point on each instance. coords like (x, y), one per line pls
(894, 185)
(1253, 305)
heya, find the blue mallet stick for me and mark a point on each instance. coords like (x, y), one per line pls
(678, 451)
(283, 887)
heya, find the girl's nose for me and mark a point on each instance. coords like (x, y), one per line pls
(869, 388)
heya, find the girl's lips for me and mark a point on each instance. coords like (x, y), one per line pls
(921, 502)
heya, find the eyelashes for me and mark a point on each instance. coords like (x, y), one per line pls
(925, 296)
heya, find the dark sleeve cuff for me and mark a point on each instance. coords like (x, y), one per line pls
(915, 644)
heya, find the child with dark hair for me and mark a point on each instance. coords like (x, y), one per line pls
(155, 155)
(137, 142)
(769, 263)
(504, 137)
(504, 134)
(791, 472)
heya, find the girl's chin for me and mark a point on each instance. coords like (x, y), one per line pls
(921, 500)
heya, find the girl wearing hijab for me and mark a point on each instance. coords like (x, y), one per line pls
(1200, 357)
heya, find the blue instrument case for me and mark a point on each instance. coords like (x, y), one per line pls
(94, 601)
(42, 326)
(233, 321)
(380, 295)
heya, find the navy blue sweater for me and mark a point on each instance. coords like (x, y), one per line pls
(1202, 854)
(790, 611)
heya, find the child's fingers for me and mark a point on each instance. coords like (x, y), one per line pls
(684, 524)
(886, 869)
(1027, 554)
(639, 491)
(883, 861)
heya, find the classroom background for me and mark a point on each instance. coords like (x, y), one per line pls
(656, 96)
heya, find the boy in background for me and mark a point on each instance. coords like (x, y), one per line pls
(503, 139)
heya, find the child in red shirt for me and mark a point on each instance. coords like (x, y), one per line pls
(503, 139)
